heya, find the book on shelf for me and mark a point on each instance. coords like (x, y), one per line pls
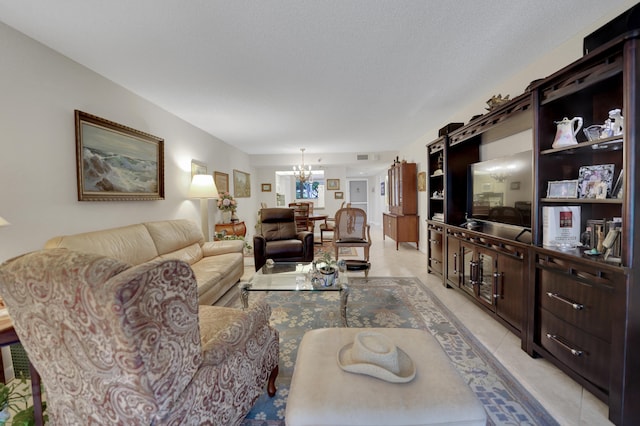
(561, 226)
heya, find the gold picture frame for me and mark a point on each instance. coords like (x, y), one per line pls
(266, 187)
(338, 195)
(222, 181)
(117, 163)
(241, 184)
(333, 184)
(198, 168)
(422, 181)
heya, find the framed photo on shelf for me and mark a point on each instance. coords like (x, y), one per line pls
(590, 177)
(562, 189)
(617, 190)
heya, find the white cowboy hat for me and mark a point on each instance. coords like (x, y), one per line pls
(374, 354)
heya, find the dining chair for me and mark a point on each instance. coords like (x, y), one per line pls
(352, 230)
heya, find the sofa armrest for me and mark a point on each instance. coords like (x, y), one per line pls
(234, 336)
(307, 242)
(214, 248)
(259, 251)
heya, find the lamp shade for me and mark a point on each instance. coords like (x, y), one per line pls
(203, 186)
(3, 222)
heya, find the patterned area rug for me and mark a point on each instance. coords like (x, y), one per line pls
(328, 246)
(395, 302)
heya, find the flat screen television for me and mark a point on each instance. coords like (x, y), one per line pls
(502, 190)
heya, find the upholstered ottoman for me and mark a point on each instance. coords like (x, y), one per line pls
(323, 394)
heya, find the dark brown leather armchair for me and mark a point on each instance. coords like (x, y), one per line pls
(278, 239)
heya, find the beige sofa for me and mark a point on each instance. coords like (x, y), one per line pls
(217, 265)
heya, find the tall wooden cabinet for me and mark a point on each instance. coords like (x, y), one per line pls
(577, 308)
(401, 222)
(584, 315)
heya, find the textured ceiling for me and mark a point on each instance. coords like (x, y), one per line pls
(272, 76)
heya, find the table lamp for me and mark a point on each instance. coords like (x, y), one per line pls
(204, 188)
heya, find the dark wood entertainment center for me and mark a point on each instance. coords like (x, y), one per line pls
(579, 311)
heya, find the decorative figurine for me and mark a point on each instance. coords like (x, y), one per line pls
(617, 121)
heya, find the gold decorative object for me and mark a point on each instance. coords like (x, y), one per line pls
(496, 101)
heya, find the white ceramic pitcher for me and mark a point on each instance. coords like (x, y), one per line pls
(566, 132)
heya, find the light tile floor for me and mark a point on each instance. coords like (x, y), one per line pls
(563, 398)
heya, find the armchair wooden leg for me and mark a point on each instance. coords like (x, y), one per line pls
(271, 386)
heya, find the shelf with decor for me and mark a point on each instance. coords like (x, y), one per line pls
(584, 226)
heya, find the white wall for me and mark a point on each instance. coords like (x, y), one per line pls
(40, 89)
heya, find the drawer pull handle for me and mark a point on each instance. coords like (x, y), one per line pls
(574, 352)
(574, 305)
(455, 263)
(434, 241)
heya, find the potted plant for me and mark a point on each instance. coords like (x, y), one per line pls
(327, 266)
(228, 205)
(12, 398)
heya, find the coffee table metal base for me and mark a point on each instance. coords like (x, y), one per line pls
(245, 288)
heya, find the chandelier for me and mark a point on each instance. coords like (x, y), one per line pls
(301, 172)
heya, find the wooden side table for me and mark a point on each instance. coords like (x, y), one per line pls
(239, 229)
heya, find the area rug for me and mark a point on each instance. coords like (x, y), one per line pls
(395, 302)
(328, 246)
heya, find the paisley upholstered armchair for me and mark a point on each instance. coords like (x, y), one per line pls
(116, 344)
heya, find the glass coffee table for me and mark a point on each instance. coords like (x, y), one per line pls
(292, 276)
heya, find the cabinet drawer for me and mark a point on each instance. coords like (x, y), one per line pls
(436, 265)
(581, 352)
(435, 245)
(587, 307)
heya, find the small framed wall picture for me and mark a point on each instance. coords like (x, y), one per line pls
(338, 195)
(222, 181)
(333, 184)
(266, 187)
(563, 189)
(198, 168)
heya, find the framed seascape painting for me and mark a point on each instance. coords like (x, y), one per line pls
(222, 181)
(241, 184)
(117, 163)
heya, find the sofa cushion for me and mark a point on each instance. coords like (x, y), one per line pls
(171, 235)
(215, 248)
(131, 244)
(210, 271)
(190, 254)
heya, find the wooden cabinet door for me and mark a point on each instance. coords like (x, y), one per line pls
(453, 261)
(435, 251)
(510, 290)
(468, 267)
(486, 277)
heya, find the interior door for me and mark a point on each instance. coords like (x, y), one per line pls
(358, 195)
